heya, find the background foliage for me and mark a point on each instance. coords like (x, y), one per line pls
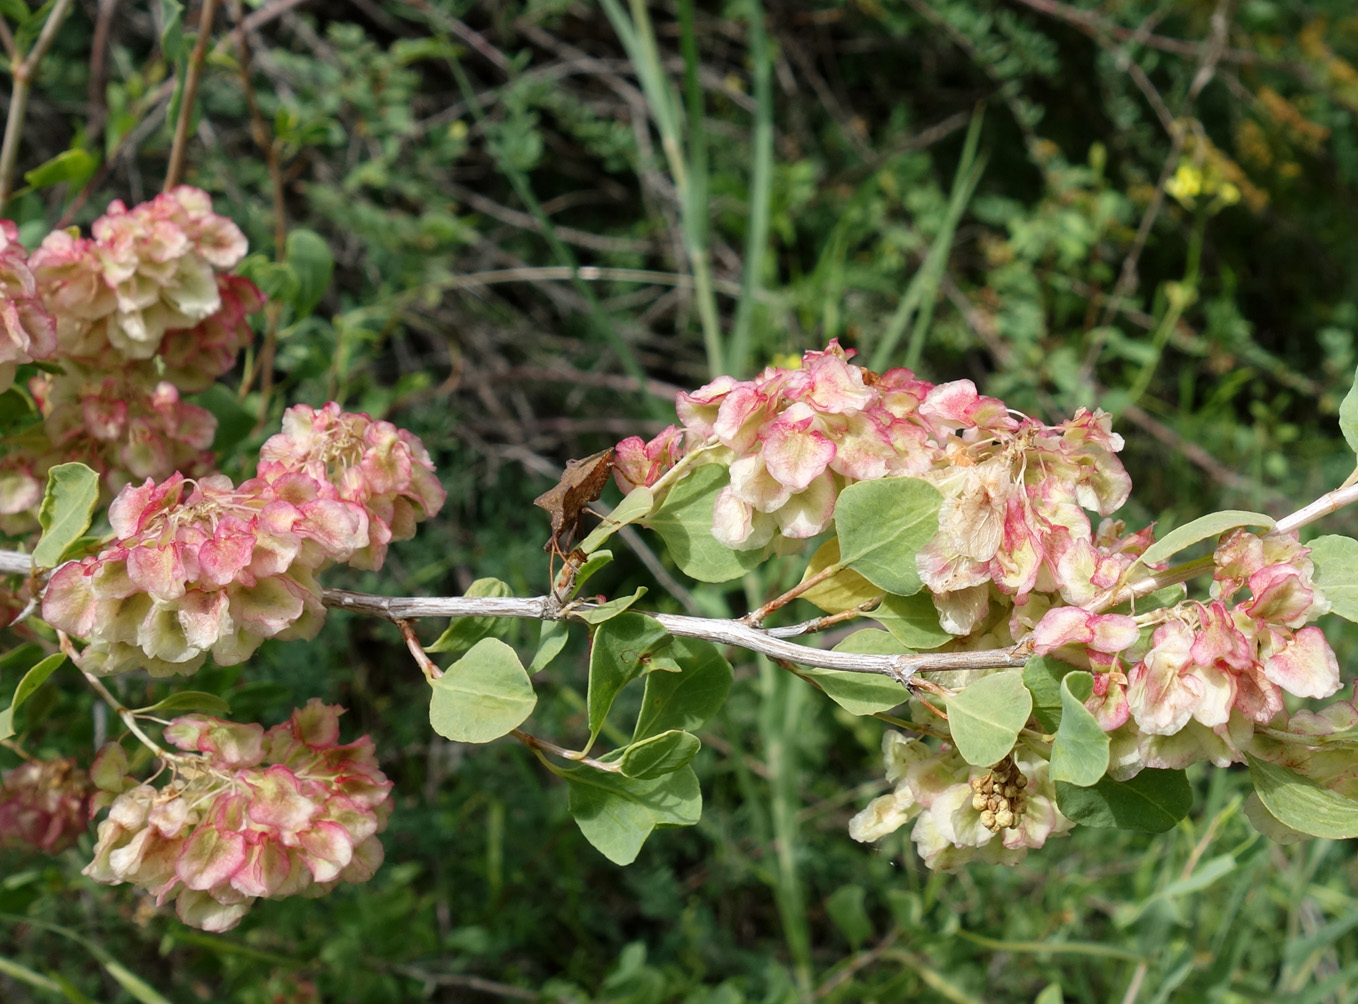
(543, 218)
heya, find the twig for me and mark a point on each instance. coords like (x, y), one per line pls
(756, 617)
(431, 672)
(720, 632)
(24, 70)
(259, 131)
(129, 719)
(175, 172)
(534, 743)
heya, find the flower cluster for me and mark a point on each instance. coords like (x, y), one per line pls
(133, 315)
(204, 566)
(1015, 490)
(44, 805)
(27, 331)
(247, 814)
(950, 803)
(369, 463)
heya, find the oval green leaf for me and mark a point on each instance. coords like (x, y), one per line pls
(659, 755)
(189, 700)
(912, 620)
(687, 699)
(617, 813)
(609, 610)
(67, 504)
(1348, 416)
(1151, 802)
(882, 524)
(30, 682)
(482, 696)
(1042, 676)
(623, 648)
(986, 717)
(843, 590)
(1080, 750)
(684, 522)
(309, 258)
(1302, 804)
(637, 505)
(1336, 561)
(1212, 525)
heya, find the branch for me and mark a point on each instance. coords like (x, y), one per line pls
(175, 173)
(23, 71)
(766, 641)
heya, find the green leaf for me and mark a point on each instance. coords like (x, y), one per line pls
(482, 696)
(1042, 676)
(607, 611)
(551, 640)
(15, 10)
(986, 717)
(882, 524)
(464, 632)
(637, 505)
(1080, 751)
(592, 564)
(843, 590)
(623, 648)
(658, 755)
(1336, 561)
(172, 30)
(1212, 525)
(1348, 416)
(309, 258)
(73, 166)
(30, 682)
(1151, 802)
(846, 909)
(861, 694)
(684, 522)
(687, 699)
(913, 620)
(1299, 802)
(67, 504)
(189, 700)
(617, 813)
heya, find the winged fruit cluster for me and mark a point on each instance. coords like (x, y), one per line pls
(205, 566)
(247, 814)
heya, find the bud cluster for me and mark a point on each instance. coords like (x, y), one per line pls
(950, 803)
(44, 805)
(999, 795)
(205, 566)
(133, 314)
(247, 814)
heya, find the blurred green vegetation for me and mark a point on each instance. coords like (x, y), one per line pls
(546, 216)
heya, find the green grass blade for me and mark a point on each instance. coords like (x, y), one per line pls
(923, 289)
(761, 190)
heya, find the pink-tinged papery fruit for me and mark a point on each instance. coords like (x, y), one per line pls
(27, 330)
(250, 814)
(363, 461)
(44, 805)
(1016, 491)
(205, 566)
(144, 272)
